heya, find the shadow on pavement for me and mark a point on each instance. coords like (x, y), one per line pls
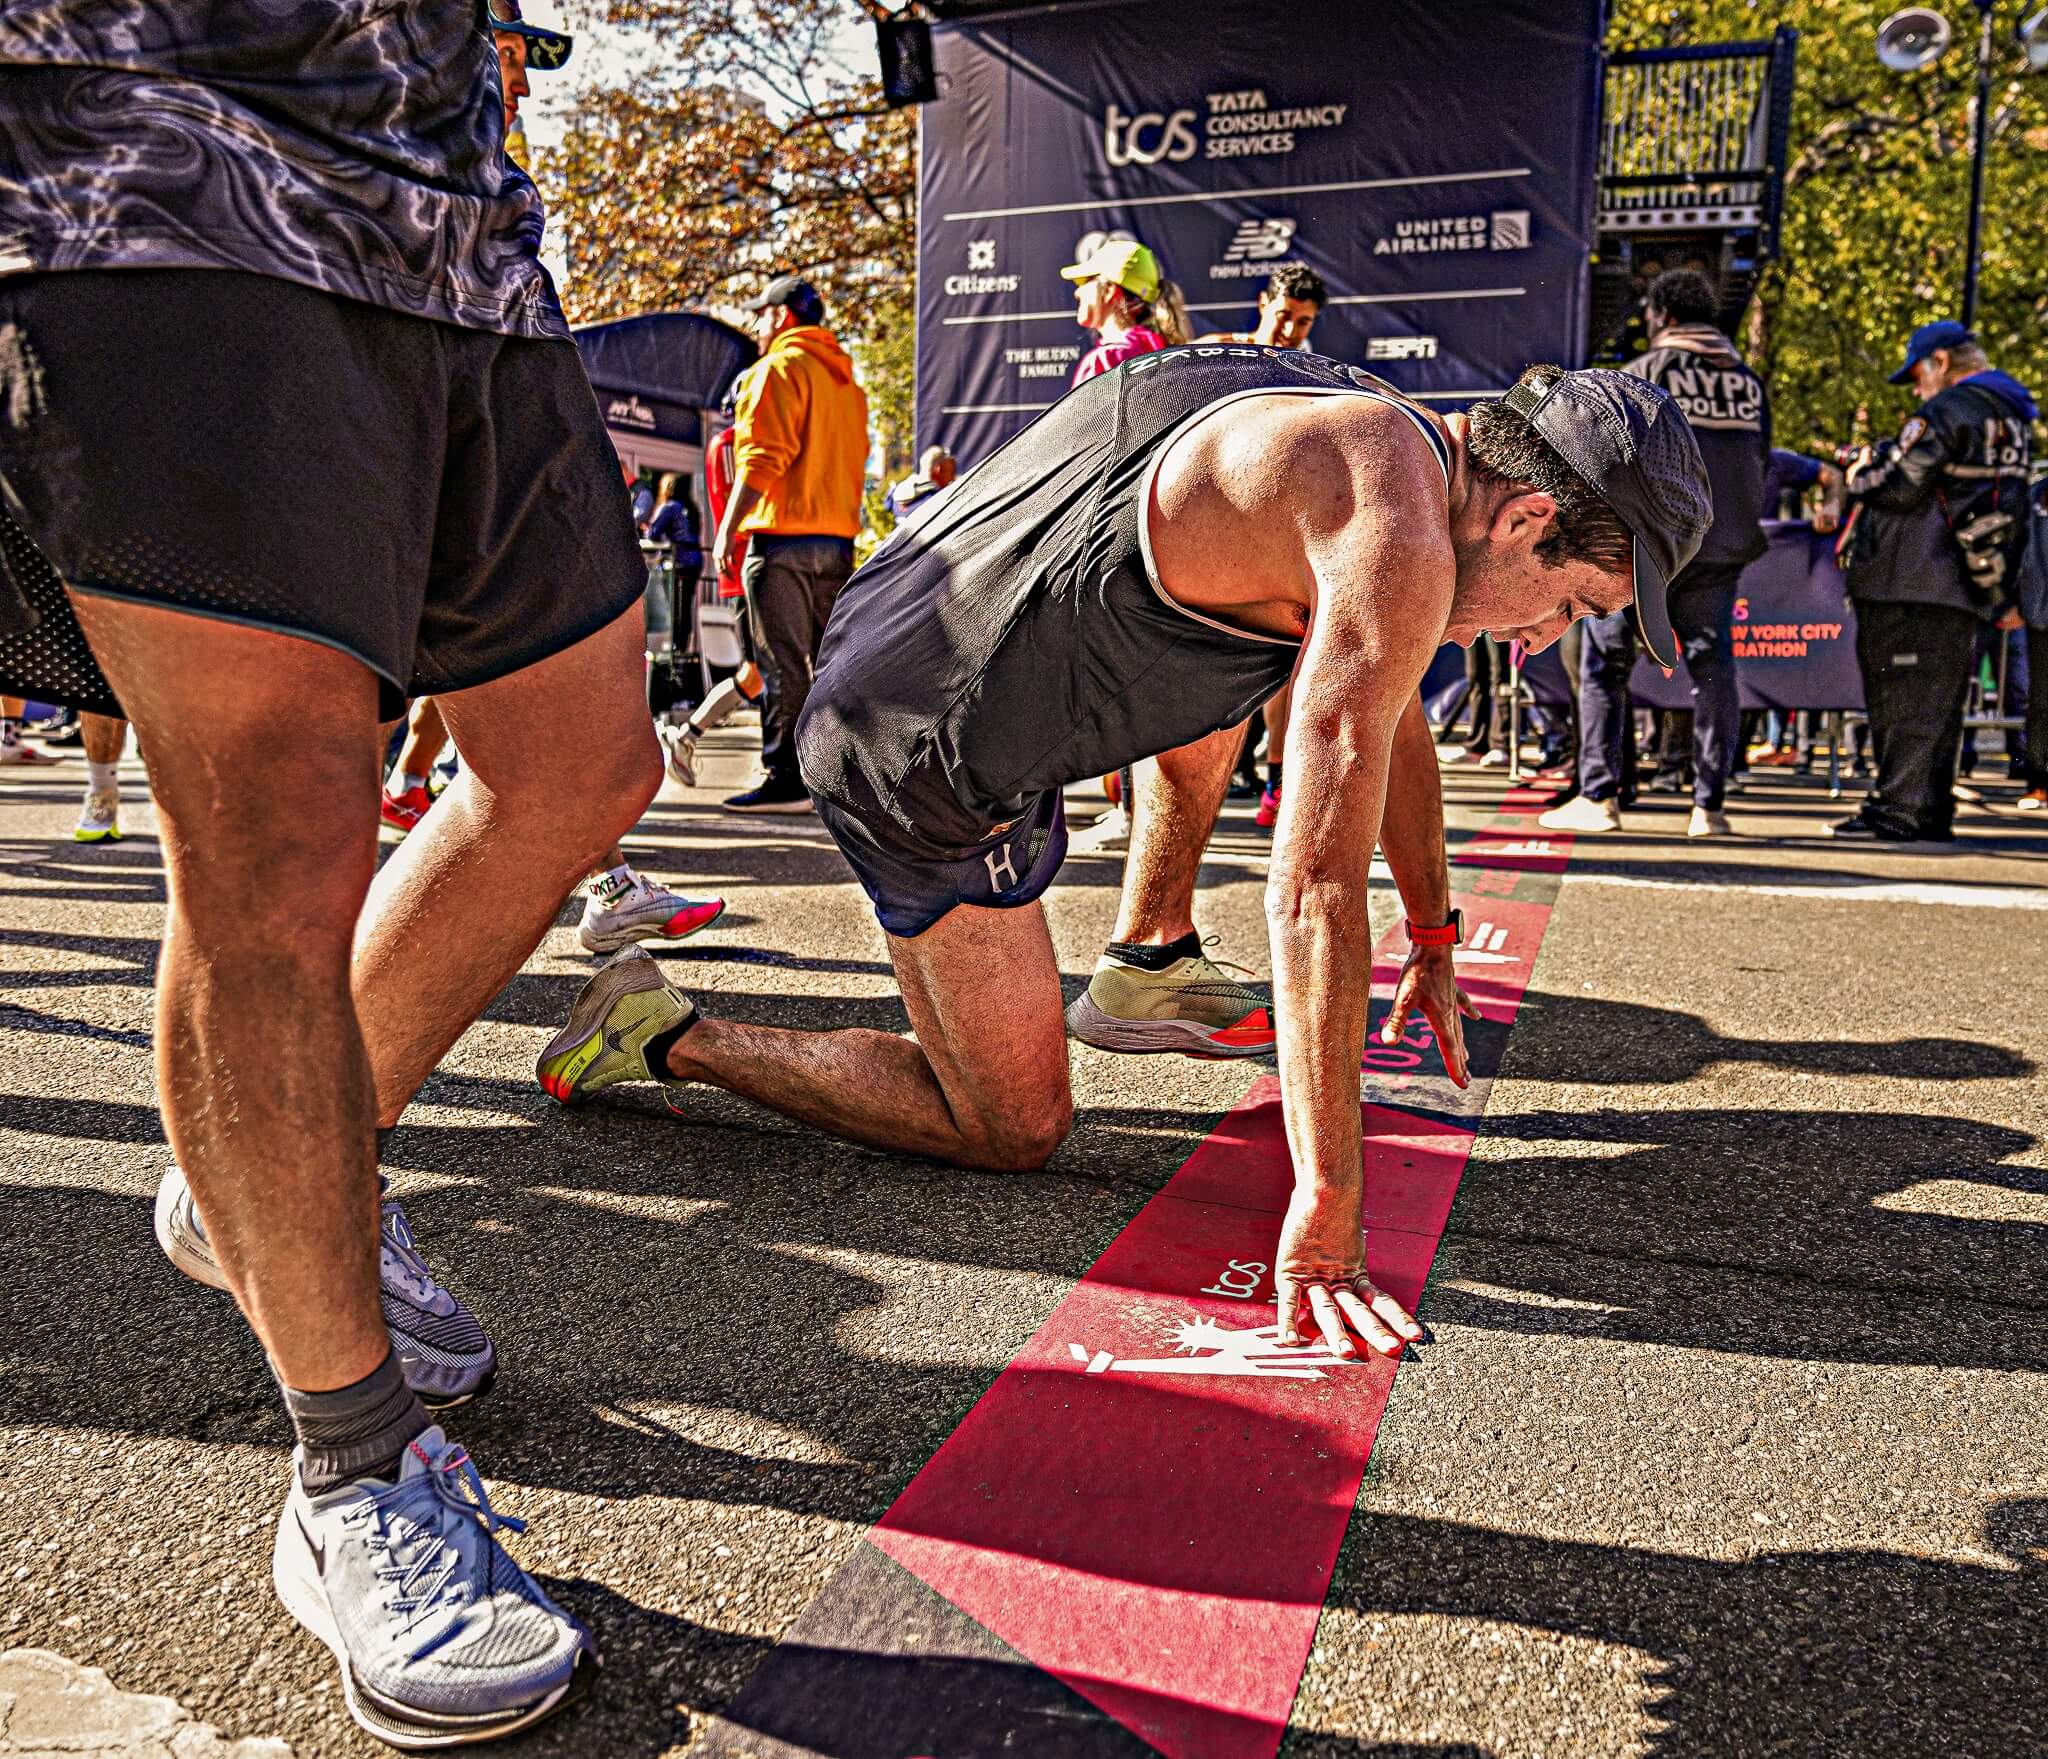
(1587, 1041)
(1784, 1652)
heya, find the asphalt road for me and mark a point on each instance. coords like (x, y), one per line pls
(1729, 1441)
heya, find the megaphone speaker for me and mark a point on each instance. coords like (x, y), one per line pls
(1912, 39)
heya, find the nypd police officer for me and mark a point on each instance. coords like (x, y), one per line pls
(1730, 415)
(1938, 523)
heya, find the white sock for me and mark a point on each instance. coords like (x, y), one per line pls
(612, 885)
(724, 698)
(102, 778)
(403, 781)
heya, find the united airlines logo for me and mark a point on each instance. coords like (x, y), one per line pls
(1504, 229)
(1260, 241)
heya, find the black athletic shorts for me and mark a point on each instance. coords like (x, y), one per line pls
(439, 503)
(912, 888)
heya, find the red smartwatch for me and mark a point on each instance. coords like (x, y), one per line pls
(1451, 934)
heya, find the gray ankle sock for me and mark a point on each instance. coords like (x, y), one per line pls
(357, 1431)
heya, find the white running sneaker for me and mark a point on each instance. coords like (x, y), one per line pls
(1589, 818)
(1708, 822)
(100, 819)
(443, 1350)
(616, 914)
(441, 1638)
(20, 751)
(681, 745)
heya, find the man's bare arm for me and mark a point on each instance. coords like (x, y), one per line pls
(1384, 570)
(1412, 838)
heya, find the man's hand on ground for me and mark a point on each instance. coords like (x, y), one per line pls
(1321, 1266)
(1430, 981)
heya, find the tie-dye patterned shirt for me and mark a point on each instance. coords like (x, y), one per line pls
(351, 145)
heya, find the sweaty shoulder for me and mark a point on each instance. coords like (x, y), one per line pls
(1349, 459)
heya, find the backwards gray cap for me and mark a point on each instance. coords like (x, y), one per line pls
(1631, 444)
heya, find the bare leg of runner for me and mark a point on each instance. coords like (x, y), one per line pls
(99, 818)
(103, 737)
(425, 734)
(1154, 989)
(260, 1064)
(980, 1086)
(1179, 794)
(528, 817)
(1278, 707)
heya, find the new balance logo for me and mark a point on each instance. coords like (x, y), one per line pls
(1260, 241)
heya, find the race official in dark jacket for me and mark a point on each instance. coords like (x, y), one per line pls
(1938, 522)
(1730, 415)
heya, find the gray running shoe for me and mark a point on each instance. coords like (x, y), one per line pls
(1192, 1006)
(681, 745)
(440, 1637)
(642, 911)
(444, 1353)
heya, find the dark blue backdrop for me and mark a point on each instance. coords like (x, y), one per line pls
(1432, 160)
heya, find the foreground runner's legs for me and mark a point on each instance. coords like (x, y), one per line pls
(269, 1103)
(529, 812)
(1153, 988)
(979, 1086)
(99, 819)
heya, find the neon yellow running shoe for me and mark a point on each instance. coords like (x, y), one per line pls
(627, 1003)
(1192, 1006)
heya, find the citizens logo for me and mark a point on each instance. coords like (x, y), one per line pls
(981, 259)
(1504, 229)
(1400, 348)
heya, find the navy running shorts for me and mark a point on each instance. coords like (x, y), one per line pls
(912, 889)
(439, 503)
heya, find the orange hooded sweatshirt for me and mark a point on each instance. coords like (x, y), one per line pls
(801, 436)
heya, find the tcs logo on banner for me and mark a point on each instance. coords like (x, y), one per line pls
(1148, 137)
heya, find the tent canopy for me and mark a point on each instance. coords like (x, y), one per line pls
(656, 375)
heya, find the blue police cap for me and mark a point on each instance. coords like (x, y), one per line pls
(1945, 333)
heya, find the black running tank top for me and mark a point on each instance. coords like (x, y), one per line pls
(1013, 638)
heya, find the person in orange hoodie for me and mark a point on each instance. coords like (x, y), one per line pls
(801, 447)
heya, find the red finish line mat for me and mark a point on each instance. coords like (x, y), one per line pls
(1124, 1547)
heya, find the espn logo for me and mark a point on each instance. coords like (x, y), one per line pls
(1260, 241)
(1400, 348)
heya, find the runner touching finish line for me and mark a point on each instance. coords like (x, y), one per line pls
(1140, 567)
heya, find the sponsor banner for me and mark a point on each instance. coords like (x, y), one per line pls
(1437, 173)
(1795, 637)
(1125, 1546)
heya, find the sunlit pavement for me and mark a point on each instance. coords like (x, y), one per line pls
(1728, 1439)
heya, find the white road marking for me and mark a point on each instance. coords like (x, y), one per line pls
(1883, 892)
